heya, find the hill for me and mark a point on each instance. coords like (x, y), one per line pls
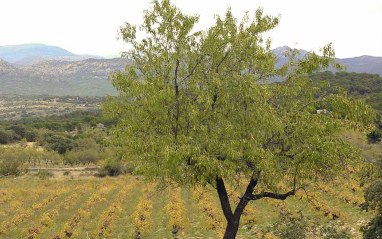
(363, 64)
(83, 78)
(27, 54)
(38, 69)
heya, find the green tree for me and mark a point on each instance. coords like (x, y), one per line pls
(373, 201)
(60, 143)
(11, 161)
(19, 130)
(5, 136)
(193, 107)
(31, 135)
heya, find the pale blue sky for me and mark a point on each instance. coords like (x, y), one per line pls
(90, 26)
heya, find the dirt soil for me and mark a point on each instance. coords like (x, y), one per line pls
(74, 172)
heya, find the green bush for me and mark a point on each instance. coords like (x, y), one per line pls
(10, 166)
(8, 136)
(60, 143)
(44, 174)
(373, 230)
(19, 129)
(31, 135)
(373, 201)
(111, 167)
(296, 225)
(11, 162)
(374, 136)
(81, 156)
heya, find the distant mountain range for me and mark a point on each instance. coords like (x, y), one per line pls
(27, 54)
(37, 69)
(361, 64)
(81, 78)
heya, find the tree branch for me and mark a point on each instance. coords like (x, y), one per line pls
(192, 71)
(322, 99)
(273, 195)
(221, 61)
(224, 200)
(176, 86)
(248, 192)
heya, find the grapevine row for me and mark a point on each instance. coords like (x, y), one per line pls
(47, 218)
(19, 217)
(176, 209)
(85, 211)
(207, 205)
(142, 220)
(109, 216)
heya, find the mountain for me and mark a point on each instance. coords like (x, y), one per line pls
(281, 59)
(7, 69)
(81, 78)
(361, 64)
(27, 54)
(89, 77)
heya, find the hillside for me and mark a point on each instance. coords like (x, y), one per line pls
(27, 54)
(368, 64)
(358, 86)
(83, 78)
(361, 64)
(56, 71)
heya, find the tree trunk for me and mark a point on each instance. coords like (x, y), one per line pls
(233, 218)
(232, 228)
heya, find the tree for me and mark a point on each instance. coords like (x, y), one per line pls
(60, 143)
(373, 201)
(11, 162)
(19, 130)
(31, 135)
(5, 136)
(193, 107)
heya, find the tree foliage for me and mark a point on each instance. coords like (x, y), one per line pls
(60, 143)
(193, 106)
(11, 161)
(373, 201)
(358, 85)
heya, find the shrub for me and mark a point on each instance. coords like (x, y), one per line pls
(11, 162)
(111, 167)
(374, 136)
(60, 143)
(296, 225)
(81, 156)
(19, 129)
(10, 166)
(8, 136)
(31, 135)
(373, 230)
(373, 201)
(66, 173)
(44, 174)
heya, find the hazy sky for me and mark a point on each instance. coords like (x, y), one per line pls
(90, 26)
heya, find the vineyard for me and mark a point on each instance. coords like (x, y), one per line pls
(128, 207)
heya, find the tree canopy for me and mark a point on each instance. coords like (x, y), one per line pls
(195, 106)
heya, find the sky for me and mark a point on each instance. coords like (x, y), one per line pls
(91, 26)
